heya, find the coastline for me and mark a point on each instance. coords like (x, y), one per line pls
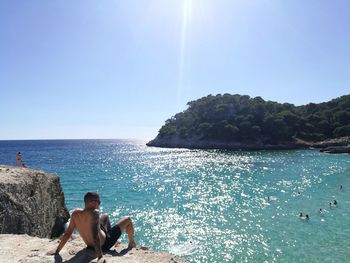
(337, 145)
(232, 146)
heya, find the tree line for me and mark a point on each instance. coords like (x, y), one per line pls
(241, 118)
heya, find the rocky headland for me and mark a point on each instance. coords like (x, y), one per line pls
(241, 122)
(33, 211)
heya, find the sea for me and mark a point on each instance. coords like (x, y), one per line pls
(208, 205)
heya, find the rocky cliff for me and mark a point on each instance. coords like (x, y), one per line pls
(31, 202)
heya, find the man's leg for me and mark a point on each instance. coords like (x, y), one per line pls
(126, 225)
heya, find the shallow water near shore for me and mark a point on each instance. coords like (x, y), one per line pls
(208, 206)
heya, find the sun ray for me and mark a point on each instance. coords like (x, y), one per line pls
(186, 16)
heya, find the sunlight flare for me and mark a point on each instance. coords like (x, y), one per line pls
(186, 19)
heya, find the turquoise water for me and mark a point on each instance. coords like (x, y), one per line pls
(208, 206)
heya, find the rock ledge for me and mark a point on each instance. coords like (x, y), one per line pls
(26, 249)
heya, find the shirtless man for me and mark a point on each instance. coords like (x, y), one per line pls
(96, 230)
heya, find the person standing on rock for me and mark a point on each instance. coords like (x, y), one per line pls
(96, 230)
(19, 161)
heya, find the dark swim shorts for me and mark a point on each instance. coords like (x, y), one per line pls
(112, 236)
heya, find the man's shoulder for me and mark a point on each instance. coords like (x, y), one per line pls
(84, 212)
(77, 211)
(80, 215)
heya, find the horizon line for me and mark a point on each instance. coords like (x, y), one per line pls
(72, 139)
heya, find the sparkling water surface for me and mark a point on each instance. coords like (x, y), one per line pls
(208, 206)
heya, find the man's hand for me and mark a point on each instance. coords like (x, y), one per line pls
(102, 260)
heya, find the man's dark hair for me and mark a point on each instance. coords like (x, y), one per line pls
(90, 196)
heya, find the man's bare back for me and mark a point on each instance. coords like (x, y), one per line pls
(83, 219)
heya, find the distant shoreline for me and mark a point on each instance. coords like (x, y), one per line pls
(234, 146)
(337, 145)
(76, 139)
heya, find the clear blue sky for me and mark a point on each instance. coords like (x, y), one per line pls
(119, 69)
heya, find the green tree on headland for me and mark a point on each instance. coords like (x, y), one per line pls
(240, 118)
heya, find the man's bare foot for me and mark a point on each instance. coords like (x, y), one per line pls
(117, 243)
(131, 245)
(51, 253)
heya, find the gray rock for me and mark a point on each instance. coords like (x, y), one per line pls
(31, 202)
(336, 149)
(335, 142)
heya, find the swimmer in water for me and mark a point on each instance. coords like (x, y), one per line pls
(322, 211)
(333, 203)
(304, 216)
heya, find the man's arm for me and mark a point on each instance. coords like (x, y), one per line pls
(95, 227)
(65, 237)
